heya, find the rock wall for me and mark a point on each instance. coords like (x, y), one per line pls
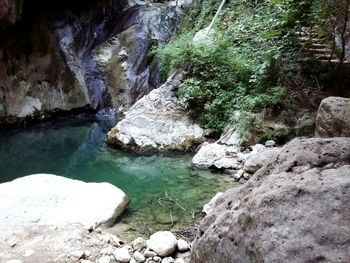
(64, 55)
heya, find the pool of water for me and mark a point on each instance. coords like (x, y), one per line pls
(166, 192)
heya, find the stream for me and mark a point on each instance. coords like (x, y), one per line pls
(166, 192)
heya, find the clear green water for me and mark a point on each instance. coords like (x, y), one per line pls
(165, 191)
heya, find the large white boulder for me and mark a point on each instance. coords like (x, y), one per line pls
(157, 123)
(45, 199)
(218, 156)
(163, 243)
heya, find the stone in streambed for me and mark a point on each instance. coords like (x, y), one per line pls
(163, 243)
(122, 254)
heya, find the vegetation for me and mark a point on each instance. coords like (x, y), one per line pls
(246, 65)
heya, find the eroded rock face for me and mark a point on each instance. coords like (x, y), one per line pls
(68, 55)
(10, 11)
(157, 123)
(294, 209)
(333, 117)
(128, 71)
(44, 199)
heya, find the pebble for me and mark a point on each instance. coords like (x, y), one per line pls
(158, 259)
(182, 245)
(14, 261)
(107, 251)
(132, 260)
(179, 260)
(138, 244)
(87, 253)
(11, 241)
(104, 259)
(149, 254)
(168, 260)
(139, 257)
(122, 254)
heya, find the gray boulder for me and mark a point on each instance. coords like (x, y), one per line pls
(255, 161)
(333, 117)
(294, 209)
(157, 123)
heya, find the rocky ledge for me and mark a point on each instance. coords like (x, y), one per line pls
(157, 123)
(45, 199)
(294, 209)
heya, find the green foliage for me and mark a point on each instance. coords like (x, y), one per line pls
(279, 136)
(238, 69)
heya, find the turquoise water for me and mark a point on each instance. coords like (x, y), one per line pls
(165, 191)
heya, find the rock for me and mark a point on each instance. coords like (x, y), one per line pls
(29, 252)
(57, 201)
(87, 253)
(179, 260)
(217, 156)
(157, 123)
(168, 260)
(291, 210)
(139, 257)
(305, 125)
(270, 143)
(204, 37)
(14, 261)
(104, 259)
(207, 208)
(11, 241)
(163, 243)
(157, 259)
(78, 254)
(333, 118)
(138, 244)
(257, 160)
(122, 254)
(182, 245)
(107, 251)
(132, 260)
(149, 254)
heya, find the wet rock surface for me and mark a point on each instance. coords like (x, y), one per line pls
(294, 209)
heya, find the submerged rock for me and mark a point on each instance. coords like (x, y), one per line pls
(44, 199)
(157, 123)
(294, 209)
(333, 117)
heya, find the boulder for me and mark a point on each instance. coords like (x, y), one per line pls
(294, 209)
(163, 243)
(333, 118)
(157, 123)
(122, 254)
(217, 156)
(255, 161)
(45, 199)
